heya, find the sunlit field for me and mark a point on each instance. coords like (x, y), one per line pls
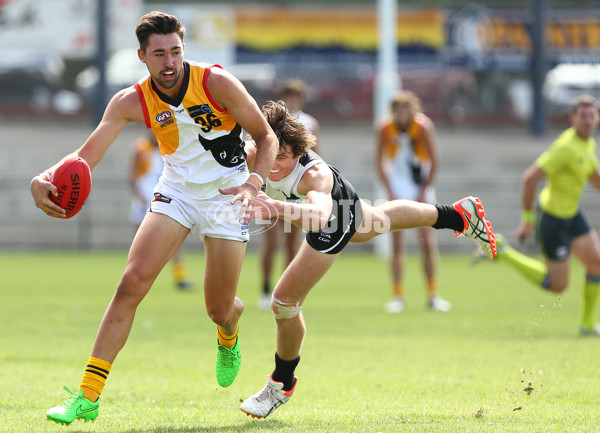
(506, 359)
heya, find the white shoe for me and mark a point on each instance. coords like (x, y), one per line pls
(590, 332)
(439, 304)
(395, 306)
(476, 226)
(261, 404)
(264, 302)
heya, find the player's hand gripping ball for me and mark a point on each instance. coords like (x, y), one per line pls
(73, 179)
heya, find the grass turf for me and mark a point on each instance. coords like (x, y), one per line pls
(506, 359)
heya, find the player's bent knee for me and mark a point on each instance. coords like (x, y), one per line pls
(285, 310)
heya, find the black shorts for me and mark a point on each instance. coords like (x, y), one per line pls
(346, 216)
(556, 234)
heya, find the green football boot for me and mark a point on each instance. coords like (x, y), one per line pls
(228, 363)
(75, 407)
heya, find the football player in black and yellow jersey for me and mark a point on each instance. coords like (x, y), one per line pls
(197, 112)
(407, 161)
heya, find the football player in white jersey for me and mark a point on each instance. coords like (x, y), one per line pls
(197, 112)
(326, 205)
(293, 93)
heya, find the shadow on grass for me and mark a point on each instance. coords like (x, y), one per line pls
(249, 425)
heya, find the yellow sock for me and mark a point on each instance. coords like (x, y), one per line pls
(532, 269)
(398, 290)
(227, 340)
(432, 287)
(591, 288)
(179, 272)
(94, 378)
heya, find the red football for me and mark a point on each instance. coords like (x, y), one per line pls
(73, 179)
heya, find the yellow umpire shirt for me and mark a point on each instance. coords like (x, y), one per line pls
(569, 162)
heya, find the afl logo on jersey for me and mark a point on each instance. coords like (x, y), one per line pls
(163, 117)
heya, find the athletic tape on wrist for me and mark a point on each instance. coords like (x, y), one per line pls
(259, 177)
(528, 216)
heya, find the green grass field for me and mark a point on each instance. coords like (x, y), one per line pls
(361, 371)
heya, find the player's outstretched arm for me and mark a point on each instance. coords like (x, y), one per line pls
(313, 213)
(123, 108)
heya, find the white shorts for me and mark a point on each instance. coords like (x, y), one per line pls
(214, 217)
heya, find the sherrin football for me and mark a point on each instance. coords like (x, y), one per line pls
(73, 179)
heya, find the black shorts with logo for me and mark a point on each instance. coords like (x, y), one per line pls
(346, 216)
(556, 234)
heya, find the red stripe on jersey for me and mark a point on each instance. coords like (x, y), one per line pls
(208, 95)
(140, 93)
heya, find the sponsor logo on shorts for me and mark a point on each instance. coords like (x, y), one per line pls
(159, 197)
(562, 252)
(241, 167)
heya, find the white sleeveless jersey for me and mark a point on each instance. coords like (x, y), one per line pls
(200, 141)
(286, 189)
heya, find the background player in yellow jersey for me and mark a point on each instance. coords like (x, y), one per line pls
(407, 161)
(197, 112)
(560, 225)
(146, 169)
(293, 93)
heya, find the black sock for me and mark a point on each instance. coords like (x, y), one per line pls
(266, 288)
(448, 218)
(284, 372)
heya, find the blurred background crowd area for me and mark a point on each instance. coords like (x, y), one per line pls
(470, 63)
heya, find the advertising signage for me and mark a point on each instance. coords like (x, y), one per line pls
(475, 37)
(494, 39)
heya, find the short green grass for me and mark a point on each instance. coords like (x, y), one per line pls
(361, 371)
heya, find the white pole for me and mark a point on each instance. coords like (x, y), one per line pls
(386, 83)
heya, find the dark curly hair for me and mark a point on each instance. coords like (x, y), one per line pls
(159, 23)
(288, 130)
